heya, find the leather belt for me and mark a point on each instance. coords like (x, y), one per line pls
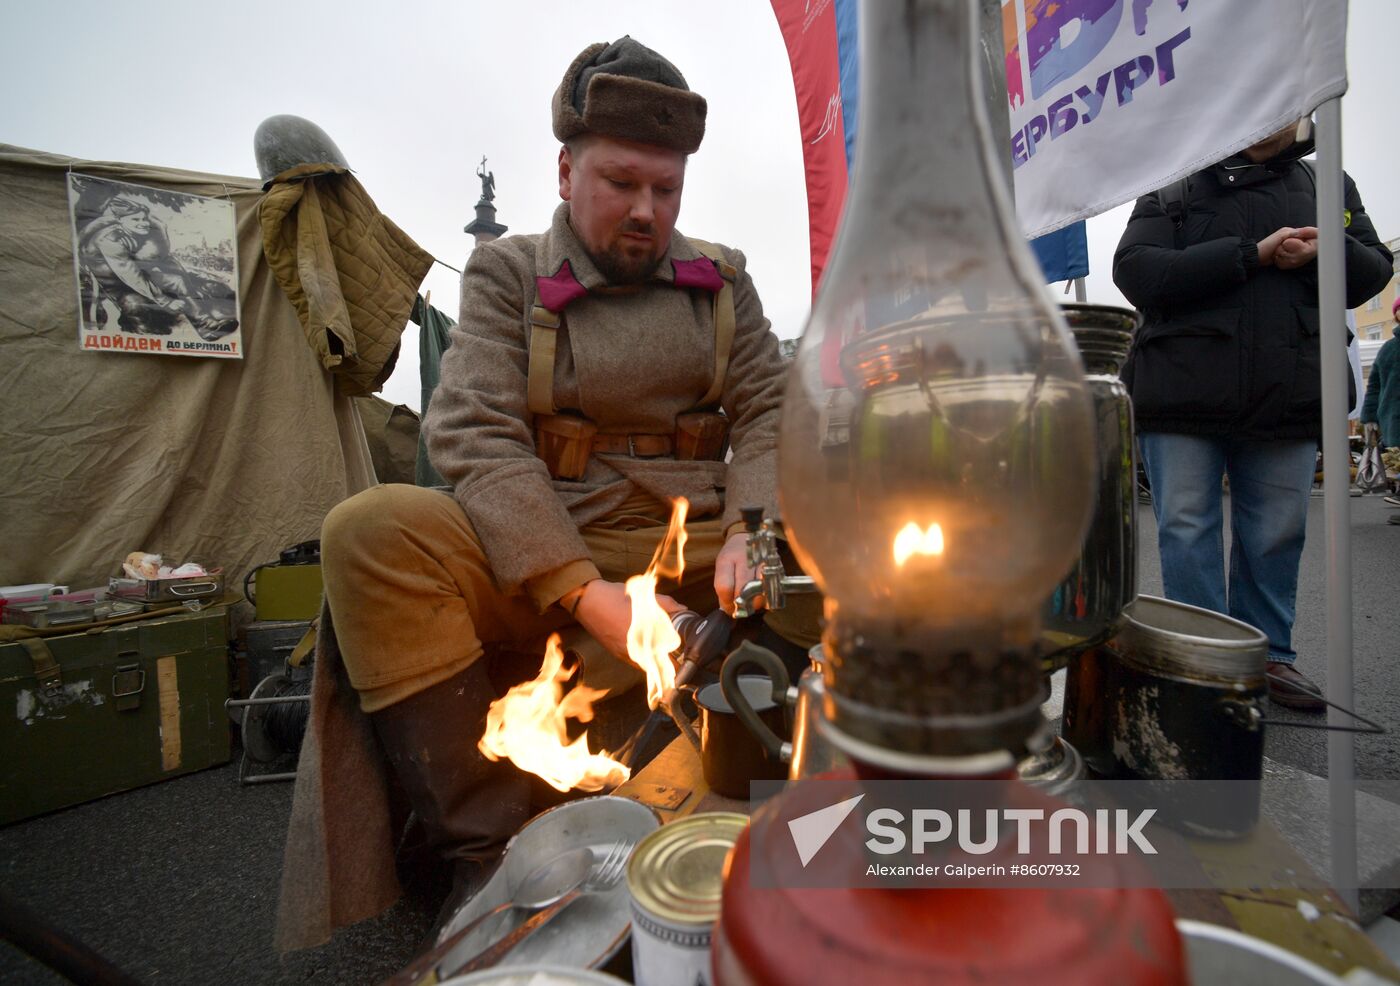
(637, 446)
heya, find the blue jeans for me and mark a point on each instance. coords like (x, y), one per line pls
(1269, 484)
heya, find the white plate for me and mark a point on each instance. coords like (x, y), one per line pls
(1219, 956)
(591, 929)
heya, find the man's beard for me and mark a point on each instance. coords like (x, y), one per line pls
(619, 267)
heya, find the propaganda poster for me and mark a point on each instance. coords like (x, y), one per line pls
(157, 270)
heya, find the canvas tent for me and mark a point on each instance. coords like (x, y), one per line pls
(219, 461)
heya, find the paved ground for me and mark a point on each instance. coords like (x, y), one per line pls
(177, 882)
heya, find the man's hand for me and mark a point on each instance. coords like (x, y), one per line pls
(732, 570)
(603, 609)
(1297, 250)
(1269, 245)
(1372, 431)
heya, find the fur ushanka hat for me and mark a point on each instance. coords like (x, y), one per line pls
(626, 90)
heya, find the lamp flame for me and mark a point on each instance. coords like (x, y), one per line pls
(651, 639)
(911, 541)
(528, 726)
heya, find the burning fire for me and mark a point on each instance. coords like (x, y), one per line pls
(911, 541)
(528, 726)
(651, 639)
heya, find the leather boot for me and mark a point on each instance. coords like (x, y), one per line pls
(1289, 686)
(467, 806)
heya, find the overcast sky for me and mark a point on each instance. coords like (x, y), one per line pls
(416, 92)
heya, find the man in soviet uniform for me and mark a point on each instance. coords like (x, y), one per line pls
(609, 320)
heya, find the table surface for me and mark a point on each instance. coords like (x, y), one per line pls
(1270, 906)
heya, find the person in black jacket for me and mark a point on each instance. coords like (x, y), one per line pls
(1225, 377)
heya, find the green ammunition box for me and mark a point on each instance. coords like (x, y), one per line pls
(288, 592)
(87, 714)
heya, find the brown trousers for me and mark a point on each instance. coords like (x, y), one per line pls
(414, 600)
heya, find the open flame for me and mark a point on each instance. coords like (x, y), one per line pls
(651, 639)
(528, 726)
(912, 540)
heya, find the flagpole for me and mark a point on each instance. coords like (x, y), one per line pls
(1336, 471)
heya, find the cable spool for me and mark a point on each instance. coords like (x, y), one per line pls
(273, 730)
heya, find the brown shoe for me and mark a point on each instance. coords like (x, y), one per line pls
(1290, 687)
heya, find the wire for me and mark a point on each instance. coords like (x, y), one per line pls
(248, 581)
(285, 723)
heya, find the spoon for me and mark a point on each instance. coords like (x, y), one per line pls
(547, 883)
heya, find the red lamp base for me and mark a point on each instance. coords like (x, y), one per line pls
(776, 936)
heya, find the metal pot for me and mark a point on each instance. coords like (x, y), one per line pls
(1084, 609)
(1178, 696)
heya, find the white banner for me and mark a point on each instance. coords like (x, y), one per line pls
(1111, 99)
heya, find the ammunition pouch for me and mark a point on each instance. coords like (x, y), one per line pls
(566, 441)
(702, 436)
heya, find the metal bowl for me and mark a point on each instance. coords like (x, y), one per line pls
(525, 976)
(591, 930)
(1220, 956)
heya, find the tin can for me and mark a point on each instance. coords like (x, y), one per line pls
(676, 879)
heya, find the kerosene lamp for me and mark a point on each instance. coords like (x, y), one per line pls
(936, 479)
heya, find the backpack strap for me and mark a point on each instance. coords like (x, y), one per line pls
(1311, 172)
(544, 338)
(724, 317)
(1172, 199)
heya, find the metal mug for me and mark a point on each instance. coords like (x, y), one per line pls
(810, 753)
(731, 754)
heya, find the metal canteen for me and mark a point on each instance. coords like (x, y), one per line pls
(1086, 608)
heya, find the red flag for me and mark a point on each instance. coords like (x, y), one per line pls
(809, 30)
